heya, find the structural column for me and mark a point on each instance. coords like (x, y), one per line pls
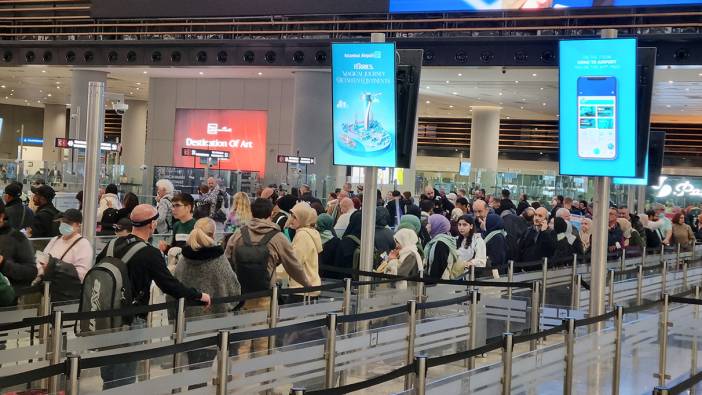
(484, 143)
(134, 138)
(312, 135)
(79, 100)
(54, 127)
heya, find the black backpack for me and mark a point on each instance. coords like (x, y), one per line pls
(202, 210)
(109, 217)
(251, 259)
(107, 287)
(653, 238)
(65, 282)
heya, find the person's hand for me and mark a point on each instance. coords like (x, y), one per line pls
(162, 246)
(467, 264)
(2, 260)
(394, 254)
(612, 248)
(205, 298)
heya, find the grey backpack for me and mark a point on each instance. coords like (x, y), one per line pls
(251, 260)
(107, 287)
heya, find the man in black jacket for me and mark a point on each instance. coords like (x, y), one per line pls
(145, 266)
(44, 224)
(16, 254)
(539, 241)
(18, 215)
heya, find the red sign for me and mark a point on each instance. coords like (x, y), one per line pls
(241, 133)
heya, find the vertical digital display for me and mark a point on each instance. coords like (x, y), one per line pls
(598, 133)
(364, 104)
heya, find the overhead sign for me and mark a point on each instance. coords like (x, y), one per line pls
(80, 144)
(297, 160)
(205, 153)
(31, 140)
(502, 5)
(237, 138)
(683, 188)
(364, 104)
(598, 133)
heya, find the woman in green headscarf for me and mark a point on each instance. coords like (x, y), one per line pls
(325, 227)
(412, 223)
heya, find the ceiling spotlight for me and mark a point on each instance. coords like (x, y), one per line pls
(49, 95)
(131, 93)
(460, 74)
(428, 87)
(43, 71)
(500, 93)
(58, 87)
(543, 104)
(509, 118)
(451, 106)
(454, 93)
(516, 82)
(427, 102)
(260, 73)
(146, 72)
(138, 83)
(521, 108)
(138, 89)
(448, 82)
(670, 82)
(534, 74)
(3, 86)
(667, 106)
(202, 73)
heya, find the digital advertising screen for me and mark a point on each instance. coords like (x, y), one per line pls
(597, 86)
(364, 112)
(239, 133)
(502, 5)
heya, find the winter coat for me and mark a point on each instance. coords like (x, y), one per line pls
(307, 245)
(18, 257)
(112, 199)
(18, 215)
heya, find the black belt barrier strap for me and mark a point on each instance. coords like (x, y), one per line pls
(594, 320)
(437, 361)
(403, 371)
(538, 335)
(674, 299)
(281, 330)
(443, 303)
(29, 290)
(25, 323)
(32, 375)
(371, 315)
(325, 287)
(685, 385)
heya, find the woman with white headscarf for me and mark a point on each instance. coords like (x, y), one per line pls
(404, 260)
(567, 243)
(585, 233)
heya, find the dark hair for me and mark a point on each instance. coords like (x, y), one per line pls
(185, 198)
(261, 208)
(426, 205)
(535, 205)
(560, 198)
(584, 202)
(506, 193)
(130, 201)
(676, 217)
(317, 206)
(2, 209)
(111, 188)
(203, 188)
(651, 212)
(333, 195)
(79, 198)
(396, 193)
(407, 195)
(468, 238)
(525, 196)
(462, 201)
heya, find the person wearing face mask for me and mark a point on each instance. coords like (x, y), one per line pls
(16, 254)
(145, 266)
(73, 258)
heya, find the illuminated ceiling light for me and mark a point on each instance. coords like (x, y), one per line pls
(500, 93)
(427, 102)
(516, 82)
(138, 89)
(671, 81)
(43, 71)
(543, 104)
(460, 74)
(260, 73)
(138, 83)
(521, 108)
(3, 86)
(448, 82)
(451, 106)
(202, 73)
(509, 118)
(428, 87)
(454, 93)
(58, 87)
(541, 88)
(131, 93)
(533, 74)
(667, 105)
(57, 82)
(146, 72)
(49, 95)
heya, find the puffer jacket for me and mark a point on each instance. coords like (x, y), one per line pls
(18, 257)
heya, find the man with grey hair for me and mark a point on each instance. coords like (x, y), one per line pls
(347, 208)
(164, 196)
(539, 241)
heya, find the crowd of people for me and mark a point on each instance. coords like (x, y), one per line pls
(292, 238)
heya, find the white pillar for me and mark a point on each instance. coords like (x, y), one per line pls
(79, 100)
(134, 137)
(54, 127)
(312, 135)
(484, 143)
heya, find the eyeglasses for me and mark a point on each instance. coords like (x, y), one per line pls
(178, 205)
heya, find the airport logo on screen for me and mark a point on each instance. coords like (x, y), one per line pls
(684, 188)
(496, 5)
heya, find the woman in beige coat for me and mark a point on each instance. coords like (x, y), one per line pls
(307, 244)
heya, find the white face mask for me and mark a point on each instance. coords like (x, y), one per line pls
(65, 229)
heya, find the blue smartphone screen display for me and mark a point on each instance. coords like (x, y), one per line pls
(597, 117)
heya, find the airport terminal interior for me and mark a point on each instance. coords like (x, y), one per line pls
(379, 197)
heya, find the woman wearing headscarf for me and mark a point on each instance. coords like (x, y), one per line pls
(330, 242)
(404, 260)
(586, 235)
(632, 238)
(567, 243)
(413, 223)
(384, 241)
(495, 244)
(306, 245)
(440, 252)
(347, 246)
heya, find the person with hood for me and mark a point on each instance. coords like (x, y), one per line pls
(19, 216)
(585, 233)
(282, 213)
(307, 245)
(347, 246)
(470, 244)
(412, 223)
(404, 260)
(109, 199)
(16, 254)
(632, 238)
(202, 265)
(330, 243)
(440, 254)
(384, 241)
(45, 216)
(523, 203)
(495, 244)
(567, 243)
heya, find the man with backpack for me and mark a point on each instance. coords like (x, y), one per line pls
(254, 253)
(45, 222)
(140, 263)
(19, 216)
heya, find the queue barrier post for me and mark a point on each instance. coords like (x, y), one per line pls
(507, 347)
(346, 310)
(569, 357)
(694, 351)
(420, 375)
(677, 255)
(662, 256)
(297, 391)
(73, 374)
(330, 351)
(622, 262)
(643, 256)
(535, 298)
(663, 342)
(472, 273)
(578, 281)
(616, 371)
(272, 317)
(664, 277)
(510, 278)
(45, 310)
(639, 285)
(692, 254)
(179, 333)
(611, 289)
(661, 391)
(544, 281)
(473, 331)
(223, 362)
(685, 282)
(421, 294)
(411, 334)
(56, 340)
